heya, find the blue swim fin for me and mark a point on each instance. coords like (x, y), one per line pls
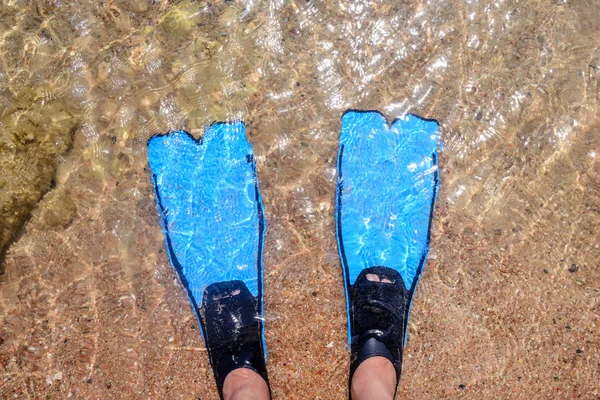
(212, 214)
(386, 189)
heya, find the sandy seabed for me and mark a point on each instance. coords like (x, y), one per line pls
(508, 306)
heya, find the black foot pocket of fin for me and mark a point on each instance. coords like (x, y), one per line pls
(232, 326)
(378, 317)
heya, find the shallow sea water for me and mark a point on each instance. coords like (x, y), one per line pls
(508, 306)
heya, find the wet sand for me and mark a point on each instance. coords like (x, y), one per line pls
(509, 303)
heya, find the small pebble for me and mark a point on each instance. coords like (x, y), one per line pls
(573, 268)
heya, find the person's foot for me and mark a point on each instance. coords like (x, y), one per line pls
(245, 384)
(386, 189)
(374, 379)
(210, 185)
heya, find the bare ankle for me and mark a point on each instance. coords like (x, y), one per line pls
(374, 379)
(245, 384)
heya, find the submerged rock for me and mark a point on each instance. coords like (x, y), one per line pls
(55, 211)
(32, 137)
